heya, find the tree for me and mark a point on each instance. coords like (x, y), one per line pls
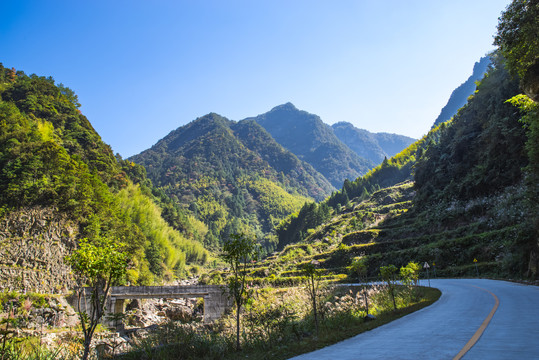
(312, 273)
(69, 94)
(530, 118)
(359, 267)
(99, 263)
(238, 250)
(410, 273)
(389, 275)
(518, 40)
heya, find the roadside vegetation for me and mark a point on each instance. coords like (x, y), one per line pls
(277, 322)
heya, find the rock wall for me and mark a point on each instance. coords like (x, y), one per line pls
(33, 244)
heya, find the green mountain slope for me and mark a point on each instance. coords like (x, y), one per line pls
(313, 141)
(482, 152)
(470, 199)
(51, 157)
(390, 172)
(372, 146)
(232, 175)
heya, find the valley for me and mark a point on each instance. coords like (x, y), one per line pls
(313, 232)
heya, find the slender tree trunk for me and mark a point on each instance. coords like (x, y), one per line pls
(366, 300)
(314, 305)
(86, 349)
(238, 347)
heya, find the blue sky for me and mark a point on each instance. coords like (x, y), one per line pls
(144, 68)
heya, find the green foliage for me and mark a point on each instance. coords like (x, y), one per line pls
(481, 152)
(237, 252)
(410, 273)
(518, 35)
(389, 275)
(530, 119)
(164, 246)
(101, 263)
(232, 176)
(295, 228)
(358, 267)
(51, 156)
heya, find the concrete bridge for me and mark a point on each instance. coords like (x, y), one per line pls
(216, 299)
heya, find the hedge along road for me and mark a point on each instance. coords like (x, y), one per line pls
(473, 319)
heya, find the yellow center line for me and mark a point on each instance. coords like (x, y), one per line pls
(481, 329)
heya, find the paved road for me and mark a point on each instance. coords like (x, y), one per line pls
(443, 329)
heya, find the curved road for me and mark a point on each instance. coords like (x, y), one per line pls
(443, 330)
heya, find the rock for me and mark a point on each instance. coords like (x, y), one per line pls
(109, 347)
(179, 314)
(133, 304)
(370, 317)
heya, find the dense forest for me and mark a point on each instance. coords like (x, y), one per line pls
(50, 156)
(233, 176)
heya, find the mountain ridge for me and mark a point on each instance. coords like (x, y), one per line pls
(313, 141)
(372, 146)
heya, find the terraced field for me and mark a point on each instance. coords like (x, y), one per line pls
(387, 229)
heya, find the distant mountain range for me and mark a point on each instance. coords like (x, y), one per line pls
(336, 154)
(371, 146)
(313, 141)
(224, 149)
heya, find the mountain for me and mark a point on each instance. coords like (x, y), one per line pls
(60, 183)
(460, 95)
(232, 175)
(314, 142)
(372, 146)
(460, 198)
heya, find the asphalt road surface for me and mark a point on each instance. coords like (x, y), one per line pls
(473, 319)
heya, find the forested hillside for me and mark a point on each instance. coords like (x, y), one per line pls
(473, 195)
(313, 141)
(51, 157)
(233, 176)
(390, 172)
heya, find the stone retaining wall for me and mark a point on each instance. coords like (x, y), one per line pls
(33, 245)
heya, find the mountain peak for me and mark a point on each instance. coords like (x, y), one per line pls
(286, 107)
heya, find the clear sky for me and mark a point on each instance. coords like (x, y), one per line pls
(142, 68)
